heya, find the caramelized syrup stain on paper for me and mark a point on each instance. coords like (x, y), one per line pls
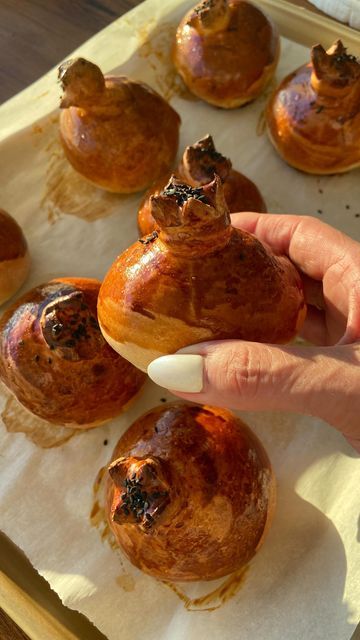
(126, 582)
(261, 124)
(44, 434)
(98, 520)
(155, 45)
(97, 514)
(210, 601)
(215, 598)
(66, 191)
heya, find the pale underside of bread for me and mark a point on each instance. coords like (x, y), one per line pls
(163, 331)
(107, 185)
(74, 425)
(232, 103)
(315, 170)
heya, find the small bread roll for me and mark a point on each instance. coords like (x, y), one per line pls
(226, 51)
(55, 360)
(14, 257)
(313, 118)
(118, 133)
(190, 493)
(199, 164)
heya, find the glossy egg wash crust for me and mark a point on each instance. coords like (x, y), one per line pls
(190, 493)
(313, 118)
(55, 361)
(14, 257)
(116, 132)
(197, 278)
(226, 51)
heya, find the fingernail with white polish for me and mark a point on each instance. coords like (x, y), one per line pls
(180, 372)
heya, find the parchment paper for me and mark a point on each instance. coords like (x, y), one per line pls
(305, 581)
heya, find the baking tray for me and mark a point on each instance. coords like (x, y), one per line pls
(24, 595)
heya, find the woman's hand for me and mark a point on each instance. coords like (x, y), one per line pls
(321, 380)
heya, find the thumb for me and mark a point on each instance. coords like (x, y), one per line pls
(251, 376)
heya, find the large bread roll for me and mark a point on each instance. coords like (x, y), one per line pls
(190, 493)
(55, 360)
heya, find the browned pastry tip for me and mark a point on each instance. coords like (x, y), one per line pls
(226, 51)
(190, 493)
(118, 133)
(197, 278)
(82, 83)
(55, 360)
(14, 257)
(335, 66)
(210, 16)
(313, 117)
(200, 162)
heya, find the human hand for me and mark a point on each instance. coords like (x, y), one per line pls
(321, 380)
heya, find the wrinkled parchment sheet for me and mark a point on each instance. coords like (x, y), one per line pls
(305, 581)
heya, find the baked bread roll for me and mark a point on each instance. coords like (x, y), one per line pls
(190, 493)
(118, 133)
(200, 162)
(14, 257)
(313, 118)
(55, 360)
(226, 51)
(197, 279)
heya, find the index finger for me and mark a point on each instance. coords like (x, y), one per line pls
(311, 244)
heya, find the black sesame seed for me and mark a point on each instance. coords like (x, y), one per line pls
(163, 400)
(319, 211)
(49, 360)
(37, 358)
(357, 215)
(182, 193)
(149, 238)
(347, 206)
(105, 442)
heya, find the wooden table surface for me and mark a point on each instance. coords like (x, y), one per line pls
(34, 36)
